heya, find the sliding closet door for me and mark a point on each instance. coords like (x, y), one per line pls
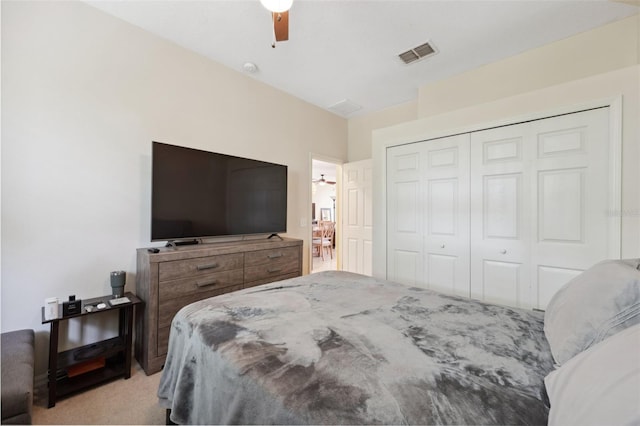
(500, 215)
(570, 196)
(428, 207)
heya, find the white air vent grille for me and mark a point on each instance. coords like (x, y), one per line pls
(417, 53)
(345, 107)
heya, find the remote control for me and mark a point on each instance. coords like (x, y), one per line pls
(119, 301)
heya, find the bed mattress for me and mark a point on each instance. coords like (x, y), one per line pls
(341, 348)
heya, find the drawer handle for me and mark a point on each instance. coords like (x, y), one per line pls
(273, 271)
(275, 255)
(205, 267)
(206, 283)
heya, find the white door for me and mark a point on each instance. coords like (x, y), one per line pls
(404, 213)
(539, 195)
(445, 188)
(569, 197)
(500, 215)
(357, 218)
(428, 199)
(536, 216)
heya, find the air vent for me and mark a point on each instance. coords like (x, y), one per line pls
(345, 107)
(417, 53)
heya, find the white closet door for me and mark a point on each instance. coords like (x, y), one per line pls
(539, 206)
(428, 201)
(404, 213)
(570, 197)
(536, 214)
(445, 177)
(357, 219)
(500, 215)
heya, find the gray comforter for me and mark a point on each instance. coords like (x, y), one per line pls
(341, 348)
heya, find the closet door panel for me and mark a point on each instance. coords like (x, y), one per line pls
(551, 279)
(441, 271)
(502, 198)
(446, 218)
(561, 199)
(501, 281)
(405, 211)
(500, 215)
(441, 204)
(570, 197)
(407, 267)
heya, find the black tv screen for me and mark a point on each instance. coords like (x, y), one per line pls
(197, 194)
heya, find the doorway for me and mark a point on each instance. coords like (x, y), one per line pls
(324, 223)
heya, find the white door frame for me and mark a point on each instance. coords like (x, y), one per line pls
(338, 163)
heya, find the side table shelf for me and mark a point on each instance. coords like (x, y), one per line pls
(79, 368)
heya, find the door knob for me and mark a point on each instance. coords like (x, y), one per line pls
(503, 251)
(442, 246)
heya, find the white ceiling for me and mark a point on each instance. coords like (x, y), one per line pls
(323, 168)
(347, 50)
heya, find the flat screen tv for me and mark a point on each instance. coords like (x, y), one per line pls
(197, 194)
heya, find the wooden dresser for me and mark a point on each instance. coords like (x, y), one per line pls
(174, 277)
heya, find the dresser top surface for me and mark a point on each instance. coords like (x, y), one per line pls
(216, 248)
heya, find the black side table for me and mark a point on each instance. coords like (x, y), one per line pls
(103, 360)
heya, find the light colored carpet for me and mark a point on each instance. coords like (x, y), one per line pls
(119, 402)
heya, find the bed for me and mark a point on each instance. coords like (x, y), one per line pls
(341, 348)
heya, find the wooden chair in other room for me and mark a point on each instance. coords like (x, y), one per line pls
(325, 242)
(316, 239)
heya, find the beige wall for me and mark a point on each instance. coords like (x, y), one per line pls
(83, 96)
(603, 49)
(599, 51)
(360, 128)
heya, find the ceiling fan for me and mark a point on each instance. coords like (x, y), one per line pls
(280, 17)
(323, 181)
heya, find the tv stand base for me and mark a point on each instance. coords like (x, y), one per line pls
(275, 235)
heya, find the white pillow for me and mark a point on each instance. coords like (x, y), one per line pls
(596, 304)
(600, 386)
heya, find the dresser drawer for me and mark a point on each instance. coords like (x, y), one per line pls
(271, 279)
(168, 308)
(265, 257)
(268, 273)
(199, 284)
(199, 266)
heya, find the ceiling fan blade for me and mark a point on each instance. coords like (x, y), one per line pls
(281, 25)
(323, 181)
